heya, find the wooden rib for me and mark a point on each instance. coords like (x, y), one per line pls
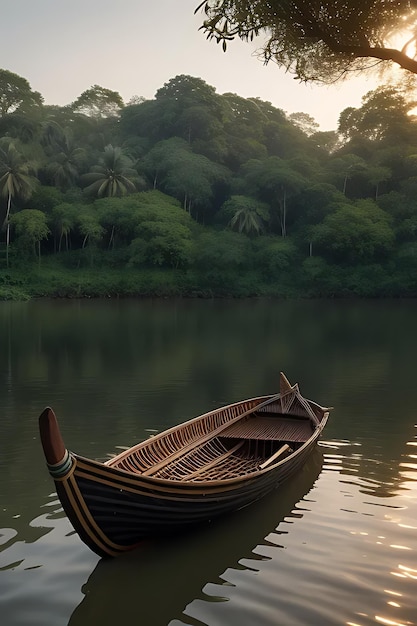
(210, 435)
(152, 451)
(193, 461)
(220, 459)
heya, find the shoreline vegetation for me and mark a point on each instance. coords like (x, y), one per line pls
(196, 194)
(54, 281)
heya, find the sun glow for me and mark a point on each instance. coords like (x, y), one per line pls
(405, 41)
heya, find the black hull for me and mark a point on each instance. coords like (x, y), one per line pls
(218, 462)
(113, 511)
(203, 554)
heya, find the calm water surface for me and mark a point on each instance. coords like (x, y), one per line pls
(336, 545)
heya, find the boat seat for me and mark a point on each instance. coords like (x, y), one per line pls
(271, 429)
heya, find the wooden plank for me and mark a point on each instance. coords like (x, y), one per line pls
(275, 456)
(279, 428)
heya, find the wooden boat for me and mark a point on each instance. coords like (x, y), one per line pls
(217, 462)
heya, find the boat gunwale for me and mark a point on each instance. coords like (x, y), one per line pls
(181, 486)
(184, 425)
(189, 422)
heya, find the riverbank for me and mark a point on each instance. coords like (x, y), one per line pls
(53, 280)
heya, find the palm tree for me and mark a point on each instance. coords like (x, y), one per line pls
(247, 220)
(65, 161)
(114, 176)
(16, 182)
(62, 221)
(249, 216)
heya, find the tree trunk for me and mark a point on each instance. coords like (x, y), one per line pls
(345, 184)
(283, 213)
(7, 244)
(9, 204)
(111, 240)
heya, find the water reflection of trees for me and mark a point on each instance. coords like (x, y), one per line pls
(207, 342)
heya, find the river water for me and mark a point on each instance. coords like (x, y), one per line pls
(337, 544)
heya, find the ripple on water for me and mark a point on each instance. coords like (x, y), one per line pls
(326, 563)
(40, 580)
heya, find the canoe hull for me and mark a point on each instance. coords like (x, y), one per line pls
(218, 462)
(114, 512)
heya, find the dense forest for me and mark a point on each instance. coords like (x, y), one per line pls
(199, 194)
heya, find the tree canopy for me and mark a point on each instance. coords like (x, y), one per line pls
(98, 102)
(320, 40)
(16, 93)
(196, 193)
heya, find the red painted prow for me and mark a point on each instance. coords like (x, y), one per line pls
(52, 442)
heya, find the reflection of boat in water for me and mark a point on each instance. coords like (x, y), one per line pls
(218, 462)
(158, 580)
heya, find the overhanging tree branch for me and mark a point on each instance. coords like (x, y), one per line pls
(384, 54)
(318, 40)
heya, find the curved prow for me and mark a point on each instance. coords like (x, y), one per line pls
(52, 442)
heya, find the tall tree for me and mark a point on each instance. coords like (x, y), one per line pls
(158, 161)
(65, 158)
(114, 176)
(16, 182)
(89, 227)
(98, 102)
(192, 179)
(16, 93)
(274, 181)
(342, 168)
(189, 108)
(31, 228)
(62, 220)
(385, 114)
(246, 215)
(244, 129)
(319, 41)
(305, 122)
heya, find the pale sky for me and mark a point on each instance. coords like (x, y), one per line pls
(63, 47)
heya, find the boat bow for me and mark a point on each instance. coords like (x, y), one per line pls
(58, 459)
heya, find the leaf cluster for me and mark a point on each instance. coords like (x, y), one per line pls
(319, 40)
